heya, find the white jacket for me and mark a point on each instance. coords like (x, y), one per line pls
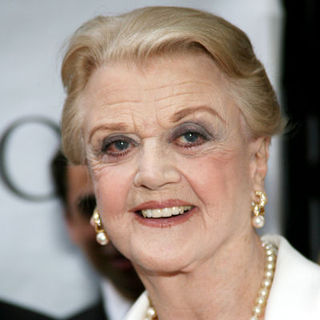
(295, 292)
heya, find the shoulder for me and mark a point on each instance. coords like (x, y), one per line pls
(95, 312)
(295, 292)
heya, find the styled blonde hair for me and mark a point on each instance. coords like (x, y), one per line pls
(153, 31)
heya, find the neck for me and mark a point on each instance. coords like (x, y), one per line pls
(222, 287)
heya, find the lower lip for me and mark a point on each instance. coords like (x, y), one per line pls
(166, 222)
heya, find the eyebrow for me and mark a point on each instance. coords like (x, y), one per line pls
(185, 112)
(121, 126)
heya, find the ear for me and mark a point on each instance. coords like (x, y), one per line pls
(259, 162)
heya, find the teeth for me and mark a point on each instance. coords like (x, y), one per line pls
(165, 212)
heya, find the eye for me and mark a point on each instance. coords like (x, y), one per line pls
(117, 146)
(190, 135)
(190, 139)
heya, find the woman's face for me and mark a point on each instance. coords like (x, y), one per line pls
(172, 162)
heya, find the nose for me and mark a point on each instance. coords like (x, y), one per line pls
(156, 168)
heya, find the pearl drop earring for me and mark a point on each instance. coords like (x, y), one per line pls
(258, 209)
(101, 236)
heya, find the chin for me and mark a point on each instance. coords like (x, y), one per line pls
(168, 263)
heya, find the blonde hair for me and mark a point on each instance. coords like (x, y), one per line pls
(153, 31)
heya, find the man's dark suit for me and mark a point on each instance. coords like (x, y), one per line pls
(10, 311)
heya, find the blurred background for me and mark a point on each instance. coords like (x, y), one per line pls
(39, 267)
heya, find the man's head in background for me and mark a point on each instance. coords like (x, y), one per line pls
(74, 188)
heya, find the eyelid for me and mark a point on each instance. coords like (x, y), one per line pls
(190, 126)
(116, 137)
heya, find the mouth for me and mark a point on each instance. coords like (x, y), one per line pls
(166, 212)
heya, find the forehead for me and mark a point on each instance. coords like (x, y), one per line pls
(157, 88)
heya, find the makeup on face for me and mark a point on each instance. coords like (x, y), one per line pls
(189, 135)
(168, 157)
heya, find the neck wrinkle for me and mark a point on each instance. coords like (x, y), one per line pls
(225, 287)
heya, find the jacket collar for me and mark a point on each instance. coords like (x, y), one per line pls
(295, 292)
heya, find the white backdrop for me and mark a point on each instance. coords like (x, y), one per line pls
(38, 266)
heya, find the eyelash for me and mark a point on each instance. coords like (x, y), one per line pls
(191, 130)
(108, 143)
(179, 133)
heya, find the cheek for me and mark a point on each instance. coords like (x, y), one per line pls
(112, 185)
(219, 180)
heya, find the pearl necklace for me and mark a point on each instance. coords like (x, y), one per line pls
(263, 293)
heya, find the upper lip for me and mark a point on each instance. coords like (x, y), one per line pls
(160, 204)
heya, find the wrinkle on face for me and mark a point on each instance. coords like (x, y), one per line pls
(148, 106)
(177, 93)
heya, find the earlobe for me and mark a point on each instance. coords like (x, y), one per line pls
(260, 156)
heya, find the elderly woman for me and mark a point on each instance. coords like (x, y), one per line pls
(173, 114)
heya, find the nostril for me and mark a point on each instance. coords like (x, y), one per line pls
(154, 178)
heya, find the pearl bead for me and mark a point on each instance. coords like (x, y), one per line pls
(270, 266)
(151, 312)
(257, 310)
(101, 238)
(268, 274)
(261, 300)
(270, 252)
(271, 258)
(263, 292)
(258, 221)
(266, 283)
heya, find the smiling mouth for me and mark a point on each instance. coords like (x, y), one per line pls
(164, 212)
